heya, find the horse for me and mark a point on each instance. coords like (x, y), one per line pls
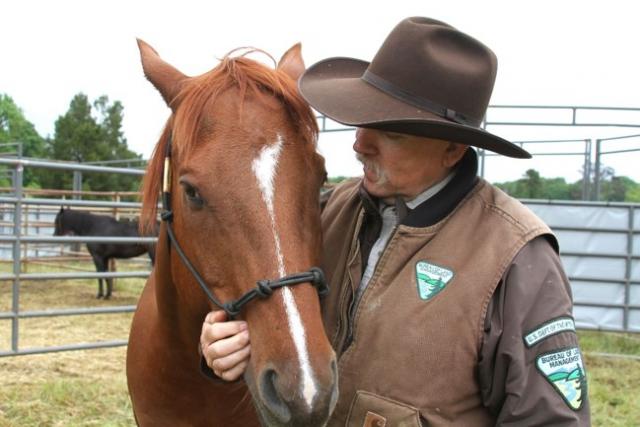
(238, 174)
(70, 222)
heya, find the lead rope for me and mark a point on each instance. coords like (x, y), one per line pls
(263, 289)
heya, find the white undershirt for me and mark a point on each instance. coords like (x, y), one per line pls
(389, 223)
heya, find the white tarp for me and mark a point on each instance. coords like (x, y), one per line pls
(604, 278)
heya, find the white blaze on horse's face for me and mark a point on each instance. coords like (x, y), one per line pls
(264, 167)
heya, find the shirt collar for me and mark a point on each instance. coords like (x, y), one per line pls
(430, 192)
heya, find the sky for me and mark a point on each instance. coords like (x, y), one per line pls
(559, 53)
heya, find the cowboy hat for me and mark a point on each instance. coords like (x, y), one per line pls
(427, 79)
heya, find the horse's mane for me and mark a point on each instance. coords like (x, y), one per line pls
(250, 77)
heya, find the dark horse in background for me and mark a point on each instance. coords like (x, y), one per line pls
(80, 223)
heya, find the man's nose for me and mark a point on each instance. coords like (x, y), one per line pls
(366, 141)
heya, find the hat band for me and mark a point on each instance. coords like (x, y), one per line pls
(417, 101)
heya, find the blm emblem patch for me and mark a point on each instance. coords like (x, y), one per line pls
(565, 371)
(431, 279)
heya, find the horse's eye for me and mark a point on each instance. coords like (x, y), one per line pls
(192, 195)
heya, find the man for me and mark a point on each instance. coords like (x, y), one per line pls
(448, 302)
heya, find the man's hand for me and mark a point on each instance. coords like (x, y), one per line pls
(225, 345)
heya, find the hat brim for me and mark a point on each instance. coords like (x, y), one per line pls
(334, 88)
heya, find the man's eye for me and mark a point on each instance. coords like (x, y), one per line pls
(394, 136)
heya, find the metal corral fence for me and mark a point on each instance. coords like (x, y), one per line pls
(18, 238)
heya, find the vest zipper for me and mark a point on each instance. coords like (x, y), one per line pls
(347, 296)
(355, 305)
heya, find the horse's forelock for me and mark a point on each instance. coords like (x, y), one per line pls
(250, 77)
(151, 185)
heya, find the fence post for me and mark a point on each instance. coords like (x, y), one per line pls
(628, 271)
(586, 172)
(77, 189)
(37, 228)
(596, 178)
(17, 232)
(25, 247)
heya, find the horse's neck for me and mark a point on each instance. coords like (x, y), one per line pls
(81, 223)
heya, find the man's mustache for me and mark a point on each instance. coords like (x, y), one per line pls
(374, 166)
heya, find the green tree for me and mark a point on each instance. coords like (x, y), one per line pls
(633, 194)
(531, 184)
(81, 137)
(617, 189)
(612, 188)
(15, 128)
(558, 189)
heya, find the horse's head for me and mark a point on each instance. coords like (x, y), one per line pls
(62, 226)
(245, 181)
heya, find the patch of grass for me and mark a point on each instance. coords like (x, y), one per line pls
(614, 391)
(609, 342)
(79, 388)
(614, 382)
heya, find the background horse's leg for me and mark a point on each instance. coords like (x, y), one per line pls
(101, 266)
(111, 266)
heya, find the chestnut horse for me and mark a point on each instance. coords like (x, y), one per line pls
(240, 205)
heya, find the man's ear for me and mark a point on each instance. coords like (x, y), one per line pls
(453, 153)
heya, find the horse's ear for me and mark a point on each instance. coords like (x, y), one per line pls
(61, 209)
(291, 62)
(164, 76)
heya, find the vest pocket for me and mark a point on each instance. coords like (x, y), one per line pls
(370, 410)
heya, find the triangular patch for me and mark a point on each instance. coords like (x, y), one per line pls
(431, 279)
(565, 371)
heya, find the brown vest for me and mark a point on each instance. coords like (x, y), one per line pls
(414, 354)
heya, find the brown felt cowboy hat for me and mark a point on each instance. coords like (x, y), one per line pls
(427, 79)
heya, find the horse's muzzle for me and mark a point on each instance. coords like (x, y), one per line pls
(278, 406)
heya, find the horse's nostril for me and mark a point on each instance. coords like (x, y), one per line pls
(272, 398)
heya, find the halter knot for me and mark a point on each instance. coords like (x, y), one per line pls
(319, 281)
(231, 309)
(264, 288)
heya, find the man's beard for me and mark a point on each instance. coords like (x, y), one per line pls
(381, 176)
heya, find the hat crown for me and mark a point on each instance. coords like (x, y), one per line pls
(428, 80)
(430, 61)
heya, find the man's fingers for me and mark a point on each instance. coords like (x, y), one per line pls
(215, 316)
(229, 362)
(233, 373)
(226, 346)
(212, 332)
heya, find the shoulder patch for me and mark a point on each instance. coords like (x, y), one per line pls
(550, 328)
(431, 279)
(564, 370)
